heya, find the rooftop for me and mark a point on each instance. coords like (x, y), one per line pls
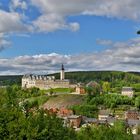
(38, 77)
(74, 116)
(127, 89)
(92, 84)
(132, 111)
(133, 122)
(104, 112)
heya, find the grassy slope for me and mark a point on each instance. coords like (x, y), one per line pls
(63, 100)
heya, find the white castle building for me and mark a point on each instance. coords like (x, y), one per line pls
(46, 82)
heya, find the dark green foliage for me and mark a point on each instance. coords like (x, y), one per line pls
(105, 132)
(93, 90)
(111, 100)
(137, 102)
(23, 121)
(32, 92)
(10, 80)
(136, 87)
(85, 110)
(92, 103)
(111, 76)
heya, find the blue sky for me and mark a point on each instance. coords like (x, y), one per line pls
(82, 34)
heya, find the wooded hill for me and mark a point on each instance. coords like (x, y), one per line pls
(110, 76)
(10, 80)
(116, 78)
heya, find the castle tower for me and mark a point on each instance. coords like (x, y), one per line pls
(62, 73)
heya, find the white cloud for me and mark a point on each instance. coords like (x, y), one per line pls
(54, 13)
(4, 43)
(110, 8)
(53, 22)
(60, 9)
(49, 23)
(74, 26)
(122, 56)
(11, 22)
(18, 4)
(104, 42)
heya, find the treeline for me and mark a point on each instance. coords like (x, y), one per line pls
(116, 78)
(10, 80)
(110, 76)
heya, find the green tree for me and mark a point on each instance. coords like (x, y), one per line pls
(106, 87)
(137, 102)
(26, 123)
(104, 132)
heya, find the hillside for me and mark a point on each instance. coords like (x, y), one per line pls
(110, 76)
(10, 80)
(63, 100)
(115, 77)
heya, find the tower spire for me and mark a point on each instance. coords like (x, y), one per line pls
(62, 73)
(62, 67)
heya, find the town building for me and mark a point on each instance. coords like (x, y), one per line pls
(103, 114)
(96, 89)
(80, 89)
(64, 112)
(132, 114)
(74, 121)
(60, 112)
(92, 84)
(87, 120)
(46, 82)
(127, 91)
(133, 125)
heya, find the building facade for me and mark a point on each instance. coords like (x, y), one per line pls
(80, 89)
(132, 114)
(46, 82)
(127, 91)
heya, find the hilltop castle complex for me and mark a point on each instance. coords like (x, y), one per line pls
(46, 82)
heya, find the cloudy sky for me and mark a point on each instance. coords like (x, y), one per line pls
(37, 36)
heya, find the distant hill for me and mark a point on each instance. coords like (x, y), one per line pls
(10, 80)
(110, 76)
(84, 76)
(133, 72)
